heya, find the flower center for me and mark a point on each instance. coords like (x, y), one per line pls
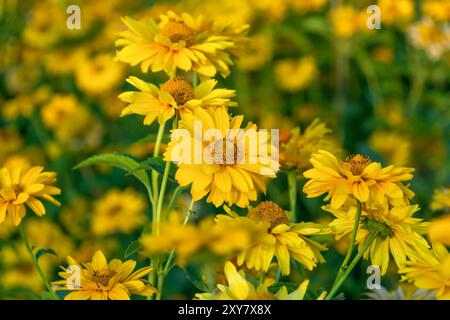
(115, 209)
(262, 296)
(179, 89)
(177, 31)
(356, 164)
(227, 152)
(270, 212)
(103, 276)
(18, 188)
(377, 226)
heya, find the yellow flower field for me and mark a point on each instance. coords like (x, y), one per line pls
(217, 150)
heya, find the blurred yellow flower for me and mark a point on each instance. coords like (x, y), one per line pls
(439, 230)
(20, 187)
(174, 97)
(304, 6)
(399, 233)
(280, 239)
(295, 75)
(100, 280)
(256, 53)
(438, 10)
(296, 148)
(430, 270)
(179, 42)
(239, 288)
(396, 11)
(344, 21)
(431, 37)
(223, 178)
(357, 177)
(98, 75)
(441, 199)
(118, 211)
(395, 148)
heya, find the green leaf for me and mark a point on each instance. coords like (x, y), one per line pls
(42, 252)
(152, 138)
(157, 164)
(117, 160)
(46, 296)
(132, 248)
(196, 282)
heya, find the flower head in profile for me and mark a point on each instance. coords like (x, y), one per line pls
(297, 147)
(439, 229)
(237, 287)
(175, 97)
(357, 178)
(280, 239)
(100, 280)
(441, 199)
(21, 188)
(179, 42)
(429, 270)
(219, 159)
(399, 233)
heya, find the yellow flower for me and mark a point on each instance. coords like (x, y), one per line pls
(430, 270)
(399, 234)
(188, 239)
(357, 177)
(98, 75)
(21, 105)
(438, 10)
(257, 53)
(178, 43)
(100, 280)
(394, 147)
(239, 288)
(229, 165)
(20, 188)
(118, 211)
(344, 21)
(305, 6)
(433, 38)
(298, 147)
(396, 11)
(439, 230)
(441, 199)
(175, 96)
(294, 75)
(280, 239)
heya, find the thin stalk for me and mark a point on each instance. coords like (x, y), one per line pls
(154, 172)
(352, 265)
(292, 182)
(36, 264)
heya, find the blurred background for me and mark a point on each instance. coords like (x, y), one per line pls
(384, 93)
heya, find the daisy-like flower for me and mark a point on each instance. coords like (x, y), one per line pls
(100, 280)
(441, 199)
(431, 37)
(179, 42)
(118, 211)
(239, 288)
(357, 177)
(280, 239)
(175, 96)
(429, 270)
(21, 188)
(219, 159)
(297, 147)
(399, 233)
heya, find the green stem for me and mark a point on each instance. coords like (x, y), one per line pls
(174, 199)
(352, 265)
(36, 264)
(168, 266)
(351, 247)
(292, 182)
(154, 172)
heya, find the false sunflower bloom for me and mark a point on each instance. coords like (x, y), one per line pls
(219, 159)
(357, 177)
(280, 239)
(175, 96)
(100, 280)
(239, 288)
(21, 187)
(399, 233)
(430, 270)
(179, 42)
